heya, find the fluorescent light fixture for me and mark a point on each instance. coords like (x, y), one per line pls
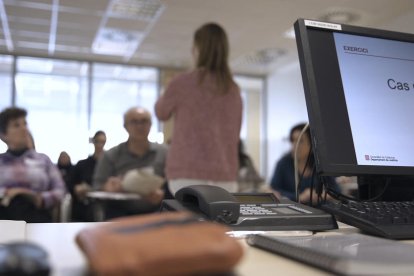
(262, 57)
(146, 10)
(53, 27)
(340, 15)
(111, 41)
(116, 42)
(6, 29)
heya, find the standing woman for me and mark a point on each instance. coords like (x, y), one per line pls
(207, 109)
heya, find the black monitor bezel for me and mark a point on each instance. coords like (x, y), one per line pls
(321, 136)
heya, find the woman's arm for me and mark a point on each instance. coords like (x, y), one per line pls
(166, 103)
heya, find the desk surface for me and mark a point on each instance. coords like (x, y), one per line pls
(67, 259)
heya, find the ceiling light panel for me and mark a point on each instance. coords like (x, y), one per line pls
(340, 15)
(146, 10)
(116, 42)
(261, 57)
(125, 24)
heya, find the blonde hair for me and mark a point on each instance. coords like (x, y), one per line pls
(212, 45)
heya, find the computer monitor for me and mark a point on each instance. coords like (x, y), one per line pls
(359, 90)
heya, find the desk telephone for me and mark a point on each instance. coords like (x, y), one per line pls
(248, 211)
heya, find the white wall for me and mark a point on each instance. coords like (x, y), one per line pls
(285, 107)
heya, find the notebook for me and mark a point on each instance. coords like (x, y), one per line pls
(353, 254)
(142, 181)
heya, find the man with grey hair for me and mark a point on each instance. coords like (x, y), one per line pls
(136, 152)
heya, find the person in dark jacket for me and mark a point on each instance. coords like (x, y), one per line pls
(81, 180)
(283, 180)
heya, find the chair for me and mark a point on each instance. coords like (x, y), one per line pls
(66, 208)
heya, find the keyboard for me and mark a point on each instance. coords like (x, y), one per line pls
(392, 220)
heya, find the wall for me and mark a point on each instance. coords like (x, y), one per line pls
(285, 107)
(253, 125)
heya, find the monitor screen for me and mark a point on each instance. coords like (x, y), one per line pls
(359, 90)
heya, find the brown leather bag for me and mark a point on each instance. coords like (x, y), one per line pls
(163, 244)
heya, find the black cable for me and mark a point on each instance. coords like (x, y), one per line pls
(295, 162)
(334, 194)
(321, 190)
(387, 182)
(311, 186)
(344, 198)
(339, 196)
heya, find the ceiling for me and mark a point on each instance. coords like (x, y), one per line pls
(159, 32)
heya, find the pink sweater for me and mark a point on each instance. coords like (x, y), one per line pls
(206, 129)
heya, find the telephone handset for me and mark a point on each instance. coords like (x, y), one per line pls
(215, 202)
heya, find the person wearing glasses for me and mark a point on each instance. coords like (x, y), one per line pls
(136, 152)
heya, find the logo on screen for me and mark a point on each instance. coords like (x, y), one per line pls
(355, 49)
(366, 157)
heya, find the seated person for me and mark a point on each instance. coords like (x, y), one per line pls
(283, 180)
(80, 181)
(65, 166)
(30, 184)
(136, 152)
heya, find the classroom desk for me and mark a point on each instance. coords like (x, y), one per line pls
(67, 259)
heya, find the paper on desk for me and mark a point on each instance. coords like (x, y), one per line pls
(243, 234)
(12, 230)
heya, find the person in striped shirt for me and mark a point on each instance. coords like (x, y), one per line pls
(30, 184)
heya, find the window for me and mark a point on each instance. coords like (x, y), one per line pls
(252, 125)
(65, 109)
(55, 94)
(6, 68)
(116, 88)
(63, 113)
